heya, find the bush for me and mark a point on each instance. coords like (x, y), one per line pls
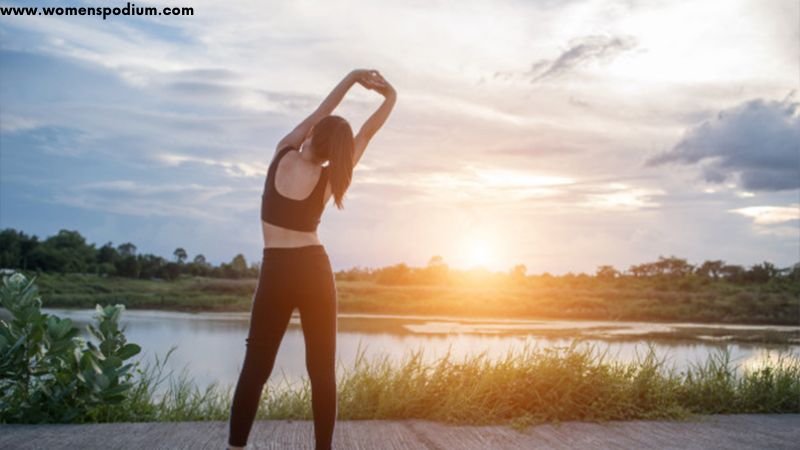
(50, 374)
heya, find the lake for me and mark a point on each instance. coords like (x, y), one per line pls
(211, 346)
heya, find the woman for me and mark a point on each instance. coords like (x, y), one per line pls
(295, 269)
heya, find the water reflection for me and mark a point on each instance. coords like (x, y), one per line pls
(210, 346)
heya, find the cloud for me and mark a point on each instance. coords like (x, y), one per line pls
(766, 215)
(144, 199)
(13, 124)
(757, 142)
(232, 168)
(778, 221)
(581, 51)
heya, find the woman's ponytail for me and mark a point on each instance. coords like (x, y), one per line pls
(333, 140)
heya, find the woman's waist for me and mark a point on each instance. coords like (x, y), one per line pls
(276, 236)
(308, 257)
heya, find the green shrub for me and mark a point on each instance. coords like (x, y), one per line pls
(50, 374)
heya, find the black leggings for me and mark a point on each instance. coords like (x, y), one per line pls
(296, 277)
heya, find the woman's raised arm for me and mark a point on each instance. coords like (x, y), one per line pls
(296, 137)
(378, 118)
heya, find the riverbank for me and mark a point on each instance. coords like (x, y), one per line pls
(620, 300)
(524, 387)
(730, 432)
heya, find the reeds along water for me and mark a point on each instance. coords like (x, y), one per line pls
(525, 386)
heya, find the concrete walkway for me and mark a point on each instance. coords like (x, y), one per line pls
(746, 431)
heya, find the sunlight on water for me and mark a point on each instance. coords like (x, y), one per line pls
(768, 357)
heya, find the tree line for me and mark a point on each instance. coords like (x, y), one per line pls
(68, 252)
(669, 270)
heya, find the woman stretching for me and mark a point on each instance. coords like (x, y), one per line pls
(295, 269)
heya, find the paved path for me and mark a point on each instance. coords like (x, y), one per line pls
(747, 431)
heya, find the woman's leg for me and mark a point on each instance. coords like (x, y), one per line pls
(318, 318)
(270, 316)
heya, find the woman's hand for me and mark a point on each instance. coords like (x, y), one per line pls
(373, 80)
(382, 86)
(364, 77)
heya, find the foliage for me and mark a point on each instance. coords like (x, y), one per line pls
(68, 252)
(50, 374)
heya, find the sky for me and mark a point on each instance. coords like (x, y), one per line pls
(562, 135)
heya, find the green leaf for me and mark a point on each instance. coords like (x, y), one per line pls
(128, 350)
(78, 354)
(90, 363)
(102, 381)
(116, 390)
(113, 361)
(94, 351)
(94, 332)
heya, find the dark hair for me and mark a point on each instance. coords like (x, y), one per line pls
(332, 139)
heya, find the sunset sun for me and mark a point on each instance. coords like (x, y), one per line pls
(478, 252)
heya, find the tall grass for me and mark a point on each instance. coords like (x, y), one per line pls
(525, 386)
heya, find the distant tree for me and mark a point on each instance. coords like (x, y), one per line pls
(64, 252)
(435, 260)
(48, 259)
(169, 271)
(435, 272)
(710, 269)
(794, 272)
(606, 273)
(641, 270)
(518, 271)
(10, 248)
(222, 271)
(151, 266)
(127, 249)
(733, 273)
(107, 254)
(199, 266)
(180, 255)
(673, 267)
(761, 273)
(106, 269)
(127, 266)
(239, 265)
(355, 274)
(15, 248)
(396, 274)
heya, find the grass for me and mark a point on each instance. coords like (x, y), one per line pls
(629, 299)
(525, 387)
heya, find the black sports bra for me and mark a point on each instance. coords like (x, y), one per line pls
(300, 215)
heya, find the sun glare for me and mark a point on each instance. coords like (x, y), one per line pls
(479, 253)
